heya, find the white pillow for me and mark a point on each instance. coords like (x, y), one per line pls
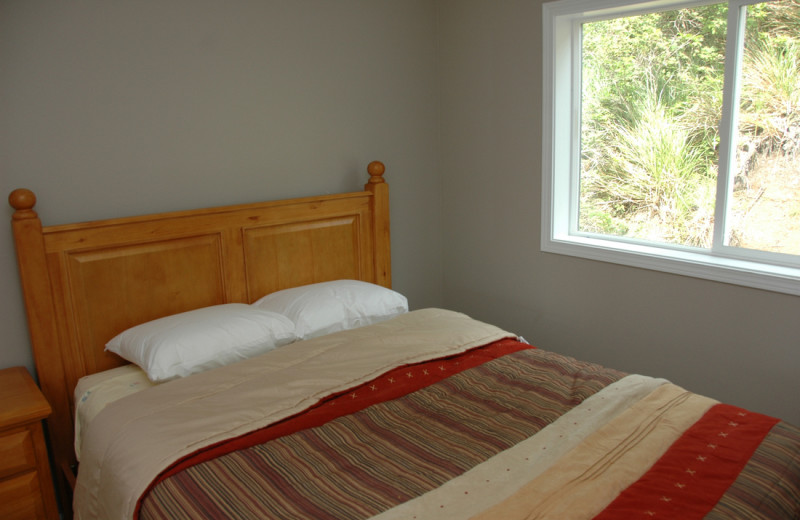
(327, 307)
(194, 341)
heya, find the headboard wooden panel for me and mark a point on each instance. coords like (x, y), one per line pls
(84, 283)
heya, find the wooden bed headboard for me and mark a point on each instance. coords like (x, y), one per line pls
(84, 283)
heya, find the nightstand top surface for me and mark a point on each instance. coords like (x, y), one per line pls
(20, 399)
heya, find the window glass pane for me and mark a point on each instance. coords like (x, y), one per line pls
(650, 110)
(765, 208)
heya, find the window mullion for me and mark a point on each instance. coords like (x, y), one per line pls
(729, 121)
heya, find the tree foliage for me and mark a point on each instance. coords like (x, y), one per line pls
(652, 98)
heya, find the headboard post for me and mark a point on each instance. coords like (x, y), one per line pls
(40, 310)
(380, 209)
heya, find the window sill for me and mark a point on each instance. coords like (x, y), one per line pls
(698, 264)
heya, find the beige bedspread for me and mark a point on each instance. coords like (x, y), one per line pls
(135, 438)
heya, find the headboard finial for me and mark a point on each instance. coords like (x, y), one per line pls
(376, 169)
(23, 201)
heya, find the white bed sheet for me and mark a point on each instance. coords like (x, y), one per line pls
(96, 391)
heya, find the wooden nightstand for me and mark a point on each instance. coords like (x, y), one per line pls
(26, 487)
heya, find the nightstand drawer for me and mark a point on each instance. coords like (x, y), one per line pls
(20, 498)
(26, 485)
(16, 452)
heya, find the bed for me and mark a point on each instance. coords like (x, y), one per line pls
(329, 398)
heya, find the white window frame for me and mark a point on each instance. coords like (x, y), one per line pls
(561, 160)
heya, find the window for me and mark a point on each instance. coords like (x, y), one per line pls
(672, 137)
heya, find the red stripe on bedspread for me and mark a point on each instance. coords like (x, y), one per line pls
(393, 384)
(712, 452)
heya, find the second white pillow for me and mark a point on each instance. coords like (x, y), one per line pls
(326, 307)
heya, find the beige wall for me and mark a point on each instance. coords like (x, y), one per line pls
(732, 343)
(112, 108)
(123, 108)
